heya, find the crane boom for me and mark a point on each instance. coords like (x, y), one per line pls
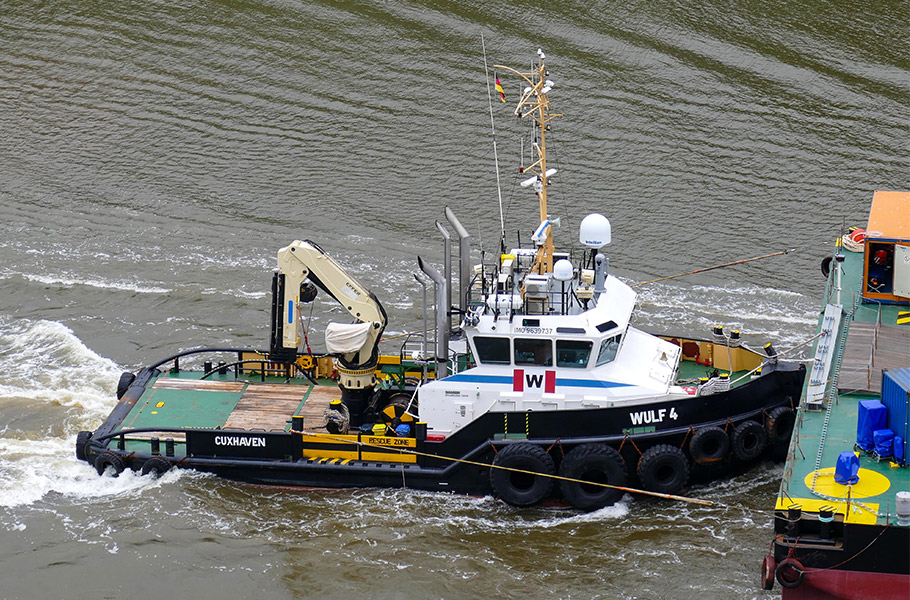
(303, 261)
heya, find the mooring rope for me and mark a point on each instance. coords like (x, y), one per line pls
(513, 470)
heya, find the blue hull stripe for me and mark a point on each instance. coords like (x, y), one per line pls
(595, 383)
(479, 379)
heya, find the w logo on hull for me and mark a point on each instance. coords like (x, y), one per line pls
(520, 379)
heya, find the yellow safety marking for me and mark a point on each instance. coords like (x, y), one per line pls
(154, 412)
(903, 317)
(159, 405)
(319, 453)
(870, 484)
(387, 457)
(857, 514)
(391, 442)
(345, 461)
(333, 461)
(322, 460)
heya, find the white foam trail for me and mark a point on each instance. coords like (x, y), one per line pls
(70, 281)
(48, 364)
(32, 469)
(50, 367)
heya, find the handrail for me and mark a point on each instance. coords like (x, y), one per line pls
(201, 350)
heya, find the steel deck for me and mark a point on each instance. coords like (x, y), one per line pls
(873, 341)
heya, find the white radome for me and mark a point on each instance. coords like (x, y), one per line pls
(595, 231)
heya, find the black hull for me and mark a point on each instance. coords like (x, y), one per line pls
(631, 429)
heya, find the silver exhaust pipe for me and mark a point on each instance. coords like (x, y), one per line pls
(464, 260)
(443, 327)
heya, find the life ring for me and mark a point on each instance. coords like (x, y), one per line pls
(749, 441)
(790, 573)
(767, 572)
(709, 445)
(780, 425)
(126, 380)
(108, 459)
(663, 468)
(82, 439)
(157, 466)
(596, 463)
(522, 489)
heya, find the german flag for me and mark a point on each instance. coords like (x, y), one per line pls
(502, 94)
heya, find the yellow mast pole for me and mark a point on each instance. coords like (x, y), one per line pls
(538, 101)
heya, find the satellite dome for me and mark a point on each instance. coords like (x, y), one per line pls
(594, 231)
(563, 270)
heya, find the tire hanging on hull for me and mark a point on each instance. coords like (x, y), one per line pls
(749, 441)
(597, 463)
(780, 425)
(664, 469)
(709, 445)
(82, 439)
(106, 460)
(790, 573)
(522, 489)
(157, 466)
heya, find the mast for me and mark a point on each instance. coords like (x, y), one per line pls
(535, 104)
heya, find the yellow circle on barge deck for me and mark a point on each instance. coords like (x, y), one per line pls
(870, 484)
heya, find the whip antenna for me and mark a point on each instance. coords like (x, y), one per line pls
(502, 220)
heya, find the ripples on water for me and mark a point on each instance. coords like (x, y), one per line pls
(154, 156)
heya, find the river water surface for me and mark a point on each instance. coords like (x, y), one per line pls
(154, 156)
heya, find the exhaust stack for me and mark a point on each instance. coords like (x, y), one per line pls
(443, 325)
(464, 259)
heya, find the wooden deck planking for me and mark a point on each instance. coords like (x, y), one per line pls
(318, 400)
(266, 406)
(269, 407)
(870, 348)
(198, 385)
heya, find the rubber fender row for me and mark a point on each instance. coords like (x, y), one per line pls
(109, 462)
(529, 480)
(522, 473)
(748, 440)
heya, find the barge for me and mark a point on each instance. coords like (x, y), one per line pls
(842, 517)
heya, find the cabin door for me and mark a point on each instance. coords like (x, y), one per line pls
(902, 271)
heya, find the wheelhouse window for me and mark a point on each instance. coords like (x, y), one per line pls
(573, 353)
(492, 350)
(534, 352)
(608, 349)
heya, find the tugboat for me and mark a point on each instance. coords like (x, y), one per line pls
(842, 518)
(543, 390)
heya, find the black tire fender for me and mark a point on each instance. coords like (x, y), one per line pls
(82, 439)
(664, 469)
(517, 488)
(749, 440)
(597, 463)
(709, 445)
(790, 573)
(126, 380)
(780, 424)
(108, 459)
(157, 466)
(826, 266)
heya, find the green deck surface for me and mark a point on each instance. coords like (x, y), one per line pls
(874, 494)
(182, 408)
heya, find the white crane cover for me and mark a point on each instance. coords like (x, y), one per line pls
(344, 338)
